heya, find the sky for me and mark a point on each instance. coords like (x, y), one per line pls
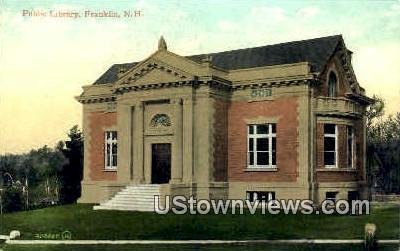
(44, 61)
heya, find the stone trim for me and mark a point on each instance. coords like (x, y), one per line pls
(146, 156)
(195, 82)
(337, 169)
(339, 184)
(334, 120)
(267, 169)
(268, 83)
(337, 106)
(110, 170)
(277, 184)
(262, 120)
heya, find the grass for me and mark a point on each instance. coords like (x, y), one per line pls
(84, 223)
(253, 247)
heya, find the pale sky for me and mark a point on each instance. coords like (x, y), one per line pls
(44, 61)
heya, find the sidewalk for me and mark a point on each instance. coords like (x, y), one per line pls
(175, 242)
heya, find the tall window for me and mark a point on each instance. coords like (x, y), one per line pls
(350, 147)
(110, 145)
(261, 146)
(332, 85)
(330, 145)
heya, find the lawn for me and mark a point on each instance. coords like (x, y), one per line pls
(253, 247)
(84, 223)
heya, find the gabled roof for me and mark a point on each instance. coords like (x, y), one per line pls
(111, 75)
(316, 51)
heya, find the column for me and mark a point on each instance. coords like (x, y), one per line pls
(86, 144)
(203, 162)
(187, 140)
(137, 142)
(176, 169)
(124, 113)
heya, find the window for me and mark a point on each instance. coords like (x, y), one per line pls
(350, 147)
(261, 146)
(330, 196)
(110, 145)
(353, 195)
(332, 85)
(260, 196)
(330, 145)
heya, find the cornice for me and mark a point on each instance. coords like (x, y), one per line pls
(362, 99)
(213, 82)
(95, 99)
(122, 89)
(271, 83)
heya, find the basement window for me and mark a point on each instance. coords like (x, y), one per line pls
(263, 196)
(111, 150)
(353, 195)
(331, 196)
(261, 146)
(330, 145)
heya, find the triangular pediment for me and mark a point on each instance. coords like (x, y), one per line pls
(157, 75)
(161, 67)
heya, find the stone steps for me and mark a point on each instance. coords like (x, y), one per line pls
(132, 198)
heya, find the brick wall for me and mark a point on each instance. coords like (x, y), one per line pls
(331, 176)
(98, 121)
(285, 109)
(342, 87)
(220, 140)
(320, 145)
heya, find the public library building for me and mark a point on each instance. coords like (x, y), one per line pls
(283, 121)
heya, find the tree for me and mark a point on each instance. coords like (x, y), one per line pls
(12, 200)
(48, 164)
(71, 174)
(390, 128)
(383, 148)
(374, 114)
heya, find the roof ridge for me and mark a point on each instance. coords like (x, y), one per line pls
(257, 47)
(241, 49)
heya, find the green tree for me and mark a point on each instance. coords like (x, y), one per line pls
(71, 174)
(374, 114)
(47, 163)
(383, 148)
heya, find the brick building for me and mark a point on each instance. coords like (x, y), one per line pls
(282, 121)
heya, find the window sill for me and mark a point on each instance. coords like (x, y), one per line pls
(110, 170)
(336, 169)
(262, 169)
(251, 100)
